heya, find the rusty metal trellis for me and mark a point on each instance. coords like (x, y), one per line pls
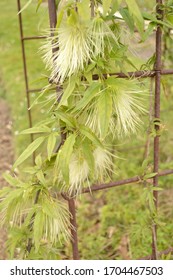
(157, 72)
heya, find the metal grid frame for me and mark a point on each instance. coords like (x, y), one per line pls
(156, 73)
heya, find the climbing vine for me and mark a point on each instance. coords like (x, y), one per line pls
(88, 109)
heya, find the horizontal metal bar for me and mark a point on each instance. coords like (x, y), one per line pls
(135, 179)
(33, 38)
(136, 74)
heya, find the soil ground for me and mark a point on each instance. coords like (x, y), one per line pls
(6, 158)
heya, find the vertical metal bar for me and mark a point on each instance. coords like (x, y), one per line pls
(24, 66)
(158, 66)
(72, 209)
(71, 202)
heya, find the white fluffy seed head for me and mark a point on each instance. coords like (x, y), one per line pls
(128, 109)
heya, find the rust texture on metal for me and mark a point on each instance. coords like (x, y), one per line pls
(156, 73)
(71, 202)
(72, 210)
(158, 66)
(24, 66)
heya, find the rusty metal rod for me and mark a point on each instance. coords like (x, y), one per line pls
(158, 66)
(71, 202)
(135, 74)
(33, 38)
(25, 68)
(136, 179)
(72, 210)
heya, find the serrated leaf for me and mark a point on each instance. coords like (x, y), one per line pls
(29, 151)
(40, 129)
(87, 132)
(104, 111)
(38, 228)
(65, 155)
(89, 94)
(51, 145)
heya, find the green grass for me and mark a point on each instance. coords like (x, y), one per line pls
(107, 218)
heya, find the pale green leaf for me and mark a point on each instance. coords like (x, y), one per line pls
(106, 6)
(89, 94)
(115, 5)
(84, 10)
(65, 155)
(66, 118)
(11, 180)
(36, 129)
(38, 228)
(148, 176)
(135, 11)
(88, 155)
(41, 177)
(67, 93)
(51, 145)
(87, 132)
(38, 160)
(104, 111)
(127, 18)
(29, 151)
(39, 2)
(25, 6)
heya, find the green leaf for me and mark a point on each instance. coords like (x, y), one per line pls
(38, 4)
(11, 180)
(29, 150)
(38, 161)
(41, 177)
(88, 155)
(87, 132)
(65, 155)
(25, 6)
(135, 11)
(66, 118)
(89, 94)
(148, 176)
(38, 228)
(36, 129)
(106, 6)
(84, 10)
(68, 91)
(51, 145)
(115, 5)
(128, 18)
(104, 111)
